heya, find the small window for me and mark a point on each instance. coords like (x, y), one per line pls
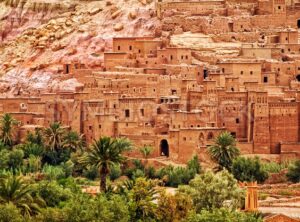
(127, 113)
(142, 112)
(242, 72)
(119, 48)
(130, 47)
(184, 138)
(182, 57)
(223, 70)
(139, 51)
(265, 79)
(158, 110)
(186, 57)
(99, 126)
(251, 72)
(237, 120)
(171, 57)
(90, 127)
(115, 106)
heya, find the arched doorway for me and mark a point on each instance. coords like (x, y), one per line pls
(298, 23)
(298, 78)
(164, 148)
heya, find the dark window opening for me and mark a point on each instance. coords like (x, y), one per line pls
(233, 134)
(237, 120)
(142, 112)
(205, 73)
(298, 78)
(130, 47)
(298, 23)
(127, 113)
(119, 48)
(265, 79)
(67, 69)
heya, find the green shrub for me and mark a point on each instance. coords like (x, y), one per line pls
(294, 172)
(273, 167)
(33, 164)
(68, 168)
(51, 215)
(223, 215)
(4, 158)
(115, 172)
(214, 190)
(249, 169)
(10, 213)
(53, 193)
(15, 159)
(53, 172)
(137, 174)
(32, 149)
(174, 176)
(194, 164)
(91, 172)
(150, 172)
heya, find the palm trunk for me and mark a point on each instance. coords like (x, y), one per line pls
(103, 175)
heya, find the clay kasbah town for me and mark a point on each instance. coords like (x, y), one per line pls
(191, 105)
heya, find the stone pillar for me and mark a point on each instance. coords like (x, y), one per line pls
(251, 201)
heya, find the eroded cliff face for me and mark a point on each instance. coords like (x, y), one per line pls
(37, 37)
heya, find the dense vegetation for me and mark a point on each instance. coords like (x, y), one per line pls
(44, 177)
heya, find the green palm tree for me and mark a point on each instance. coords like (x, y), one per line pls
(7, 125)
(54, 136)
(15, 190)
(146, 152)
(224, 150)
(104, 153)
(73, 141)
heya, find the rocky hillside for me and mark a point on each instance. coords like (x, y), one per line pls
(37, 36)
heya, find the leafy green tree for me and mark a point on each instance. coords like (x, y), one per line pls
(15, 159)
(294, 172)
(73, 141)
(50, 214)
(213, 190)
(224, 150)
(82, 208)
(141, 200)
(223, 215)
(104, 153)
(173, 208)
(53, 194)
(7, 127)
(15, 190)
(249, 170)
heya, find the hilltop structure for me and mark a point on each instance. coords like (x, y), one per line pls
(217, 65)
